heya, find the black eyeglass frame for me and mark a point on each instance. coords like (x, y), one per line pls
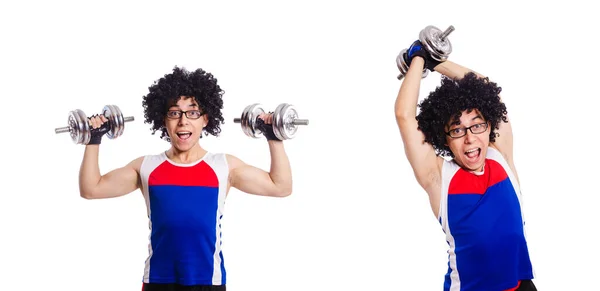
(180, 113)
(470, 128)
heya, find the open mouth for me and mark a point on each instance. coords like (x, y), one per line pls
(183, 135)
(473, 154)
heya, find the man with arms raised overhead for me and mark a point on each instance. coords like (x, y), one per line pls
(461, 150)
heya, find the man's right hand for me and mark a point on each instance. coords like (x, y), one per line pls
(417, 49)
(265, 124)
(98, 127)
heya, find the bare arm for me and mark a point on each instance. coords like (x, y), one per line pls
(115, 183)
(504, 142)
(276, 183)
(454, 70)
(421, 155)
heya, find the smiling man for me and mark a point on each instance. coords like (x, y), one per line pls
(185, 186)
(461, 150)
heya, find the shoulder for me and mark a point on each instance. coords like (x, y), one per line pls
(496, 152)
(233, 161)
(147, 160)
(440, 161)
(221, 160)
(137, 162)
(446, 166)
(505, 161)
(448, 170)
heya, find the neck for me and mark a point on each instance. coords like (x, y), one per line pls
(186, 157)
(479, 170)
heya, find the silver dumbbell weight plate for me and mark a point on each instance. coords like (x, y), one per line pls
(403, 66)
(79, 128)
(115, 117)
(436, 42)
(285, 121)
(249, 118)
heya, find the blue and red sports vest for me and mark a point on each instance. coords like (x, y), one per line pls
(185, 206)
(482, 218)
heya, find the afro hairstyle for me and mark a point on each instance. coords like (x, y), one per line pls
(447, 102)
(166, 91)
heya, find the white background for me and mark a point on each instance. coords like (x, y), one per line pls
(357, 219)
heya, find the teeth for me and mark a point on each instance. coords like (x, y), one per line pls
(471, 151)
(184, 132)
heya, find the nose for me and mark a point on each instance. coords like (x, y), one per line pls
(183, 120)
(469, 137)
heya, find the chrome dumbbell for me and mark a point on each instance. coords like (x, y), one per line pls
(79, 127)
(435, 42)
(285, 121)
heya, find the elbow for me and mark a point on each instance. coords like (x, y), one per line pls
(283, 191)
(286, 193)
(86, 193)
(404, 112)
(402, 116)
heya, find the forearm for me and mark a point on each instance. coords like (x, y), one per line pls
(89, 172)
(408, 96)
(454, 70)
(280, 172)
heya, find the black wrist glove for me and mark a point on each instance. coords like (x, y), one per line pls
(417, 49)
(98, 133)
(267, 129)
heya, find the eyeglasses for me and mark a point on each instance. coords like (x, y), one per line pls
(462, 131)
(191, 114)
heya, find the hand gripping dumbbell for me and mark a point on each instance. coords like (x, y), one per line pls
(285, 121)
(435, 42)
(79, 126)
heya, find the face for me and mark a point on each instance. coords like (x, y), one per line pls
(185, 129)
(469, 146)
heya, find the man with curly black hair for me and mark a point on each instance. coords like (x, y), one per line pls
(185, 186)
(461, 151)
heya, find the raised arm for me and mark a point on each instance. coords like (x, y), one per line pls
(504, 140)
(420, 155)
(275, 183)
(454, 70)
(118, 182)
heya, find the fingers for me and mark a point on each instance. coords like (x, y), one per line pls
(96, 121)
(266, 117)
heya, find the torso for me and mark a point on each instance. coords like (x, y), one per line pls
(482, 219)
(185, 205)
(435, 187)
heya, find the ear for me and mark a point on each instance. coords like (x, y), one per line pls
(205, 119)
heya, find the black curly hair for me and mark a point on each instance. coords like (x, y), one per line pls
(446, 103)
(166, 91)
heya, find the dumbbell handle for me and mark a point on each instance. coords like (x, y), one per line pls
(294, 122)
(68, 128)
(447, 32)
